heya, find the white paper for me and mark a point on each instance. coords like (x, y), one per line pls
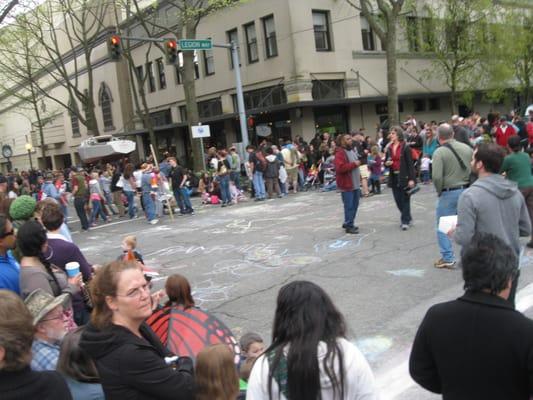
(447, 223)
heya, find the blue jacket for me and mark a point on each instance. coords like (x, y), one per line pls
(9, 273)
(50, 190)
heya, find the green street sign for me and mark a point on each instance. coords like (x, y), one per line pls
(196, 44)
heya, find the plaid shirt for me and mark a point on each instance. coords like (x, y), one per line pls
(45, 355)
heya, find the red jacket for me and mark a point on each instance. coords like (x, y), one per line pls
(501, 137)
(343, 170)
(529, 128)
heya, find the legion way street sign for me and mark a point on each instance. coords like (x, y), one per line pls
(196, 44)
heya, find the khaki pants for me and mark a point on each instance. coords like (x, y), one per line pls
(117, 200)
(272, 185)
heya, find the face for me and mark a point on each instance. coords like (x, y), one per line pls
(52, 326)
(132, 302)
(125, 246)
(9, 240)
(172, 163)
(255, 349)
(347, 141)
(393, 136)
(474, 164)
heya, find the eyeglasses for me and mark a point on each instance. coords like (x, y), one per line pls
(6, 234)
(52, 318)
(136, 292)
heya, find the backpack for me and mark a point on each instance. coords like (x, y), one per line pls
(261, 161)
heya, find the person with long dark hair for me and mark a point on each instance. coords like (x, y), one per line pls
(309, 357)
(401, 174)
(129, 187)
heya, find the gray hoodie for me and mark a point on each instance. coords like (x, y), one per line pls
(493, 205)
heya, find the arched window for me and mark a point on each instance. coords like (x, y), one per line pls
(105, 99)
(74, 121)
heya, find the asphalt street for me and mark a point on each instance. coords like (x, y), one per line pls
(237, 258)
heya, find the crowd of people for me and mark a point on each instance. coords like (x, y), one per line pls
(70, 329)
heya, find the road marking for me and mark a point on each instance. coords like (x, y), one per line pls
(396, 380)
(110, 224)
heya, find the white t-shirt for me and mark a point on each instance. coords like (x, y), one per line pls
(358, 377)
(424, 164)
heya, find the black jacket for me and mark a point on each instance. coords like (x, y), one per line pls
(176, 175)
(132, 368)
(407, 168)
(474, 348)
(27, 384)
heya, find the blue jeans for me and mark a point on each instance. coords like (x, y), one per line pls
(402, 200)
(424, 175)
(224, 189)
(259, 185)
(149, 206)
(350, 200)
(447, 205)
(97, 209)
(183, 200)
(235, 176)
(131, 203)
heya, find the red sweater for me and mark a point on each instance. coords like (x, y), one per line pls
(343, 170)
(502, 137)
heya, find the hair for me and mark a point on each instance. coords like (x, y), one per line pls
(178, 291)
(399, 132)
(488, 264)
(445, 132)
(216, 374)
(250, 147)
(128, 171)
(173, 159)
(374, 150)
(491, 155)
(16, 332)
(248, 338)
(3, 224)
(305, 315)
(339, 139)
(73, 361)
(514, 143)
(51, 216)
(131, 240)
(103, 284)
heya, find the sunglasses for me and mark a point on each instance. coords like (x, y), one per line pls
(6, 234)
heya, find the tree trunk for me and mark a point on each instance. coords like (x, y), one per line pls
(190, 97)
(35, 102)
(453, 95)
(90, 118)
(145, 115)
(392, 76)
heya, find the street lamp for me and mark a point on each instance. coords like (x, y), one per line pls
(29, 148)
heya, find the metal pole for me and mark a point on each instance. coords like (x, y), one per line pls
(31, 163)
(240, 96)
(203, 155)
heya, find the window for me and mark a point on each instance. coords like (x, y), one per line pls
(321, 28)
(196, 66)
(328, 89)
(383, 108)
(210, 108)
(161, 74)
(412, 34)
(269, 30)
(251, 42)
(151, 77)
(427, 27)
(233, 36)
(140, 73)
(209, 62)
(419, 105)
(161, 118)
(434, 104)
(266, 97)
(183, 113)
(105, 100)
(74, 121)
(367, 35)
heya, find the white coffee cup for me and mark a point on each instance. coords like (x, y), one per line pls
(72, 268)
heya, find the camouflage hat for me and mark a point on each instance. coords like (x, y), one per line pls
(41, 303)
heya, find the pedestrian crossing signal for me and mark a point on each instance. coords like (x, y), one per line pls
(114, 47)
(171, 51)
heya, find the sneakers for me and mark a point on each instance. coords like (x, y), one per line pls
(352, 229)
(444, 264)
(404, 227)
(154, 221)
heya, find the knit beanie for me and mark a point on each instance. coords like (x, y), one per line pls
(22, 208)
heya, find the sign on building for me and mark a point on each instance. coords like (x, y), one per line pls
(200, 131)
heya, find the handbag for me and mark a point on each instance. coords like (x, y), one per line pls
(120, 182)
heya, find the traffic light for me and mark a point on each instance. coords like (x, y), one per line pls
(171, 51)
(114, 47)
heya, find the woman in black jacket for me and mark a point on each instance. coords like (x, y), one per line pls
(128, 355)
(401, 174)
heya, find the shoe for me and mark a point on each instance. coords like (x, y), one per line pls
(224, 204)
(444, 264)
(352, 229)
(176, 210)
(191, 212)
(344, 226)
(404, 227)
(257, 199)
(154, 221)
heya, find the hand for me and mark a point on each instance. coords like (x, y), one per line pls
(411, 184)
(156, 298)
(388, 163)
(451, 232)
(75, 280)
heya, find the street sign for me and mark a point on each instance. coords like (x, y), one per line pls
(200, 131)
(196, 44)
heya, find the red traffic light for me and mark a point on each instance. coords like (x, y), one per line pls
(115, 40)
(171, 44)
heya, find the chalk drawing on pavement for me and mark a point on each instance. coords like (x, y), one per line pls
(209, 291)
(526, 257)
(372, 347)
(410, 272)
(331, 246)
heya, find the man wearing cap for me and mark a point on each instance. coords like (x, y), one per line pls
(9, 267)
(503, 132)
(47, 312)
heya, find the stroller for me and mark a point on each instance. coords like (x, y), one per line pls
(330, 182)
(311, 181)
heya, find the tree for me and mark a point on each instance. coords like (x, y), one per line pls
(186, 15)
(461, 45)
(384, 22)
(64, 34)
(5, 8)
